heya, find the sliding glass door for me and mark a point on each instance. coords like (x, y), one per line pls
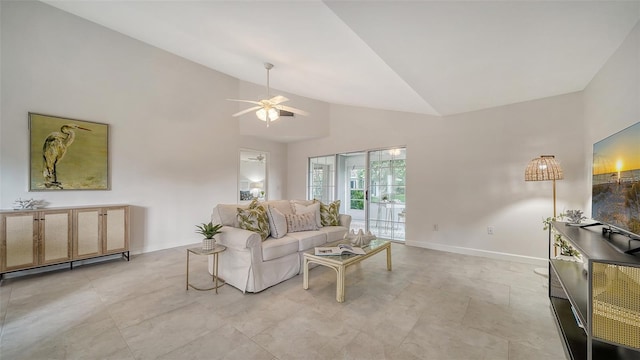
(371, 187)
(352, 185)
(387, 189)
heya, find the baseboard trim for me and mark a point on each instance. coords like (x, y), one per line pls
(477, 252)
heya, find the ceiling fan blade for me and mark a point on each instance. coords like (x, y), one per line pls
(293, 110)
(278, 99)
(247, 101)
(247, 111)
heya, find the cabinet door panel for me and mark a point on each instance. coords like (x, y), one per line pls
(56, 239)
(21, 234)
(87, 239)
(116, 235)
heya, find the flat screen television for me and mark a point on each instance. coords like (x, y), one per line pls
(615, 200)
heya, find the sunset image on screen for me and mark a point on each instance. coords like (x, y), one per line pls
(616, 180)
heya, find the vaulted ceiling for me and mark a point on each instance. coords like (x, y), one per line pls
(430, 57)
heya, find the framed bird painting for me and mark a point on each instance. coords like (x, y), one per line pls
(68, 154)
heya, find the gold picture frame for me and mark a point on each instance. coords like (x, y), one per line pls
(67, 154)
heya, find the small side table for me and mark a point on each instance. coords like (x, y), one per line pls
(217, 249)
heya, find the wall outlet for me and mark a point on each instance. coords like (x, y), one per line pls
(435, 227)
(490, 230)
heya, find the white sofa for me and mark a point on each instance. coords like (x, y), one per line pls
(252, 265)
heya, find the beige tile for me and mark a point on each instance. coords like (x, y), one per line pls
(100, 339)
(30, 336)
(134, 310)
(551, 350)
(41, 304)
(263, 315)
(532, 328)
(223, 343)
(165, 333)
(364, 346)
(307, 335)
(430, 340)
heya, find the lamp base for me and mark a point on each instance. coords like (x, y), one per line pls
(544, 272)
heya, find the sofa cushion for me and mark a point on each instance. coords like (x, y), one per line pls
(276, 248)
(254, 219)
(334, 233)
(226, 214)
(301, 222)
(313, 208)
(309, 239)
(302, 202)
(277, 222)
(284, 206)
(330, 213)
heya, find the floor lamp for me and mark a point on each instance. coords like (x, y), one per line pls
(544, 168)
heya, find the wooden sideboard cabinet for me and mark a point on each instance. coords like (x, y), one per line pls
(100, 231)
(34, 238)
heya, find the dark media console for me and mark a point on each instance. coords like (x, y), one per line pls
(597, 306)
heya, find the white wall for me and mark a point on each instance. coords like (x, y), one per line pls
(612, 99)
(466, 172)
(173, 144)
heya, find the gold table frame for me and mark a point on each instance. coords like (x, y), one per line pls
(339, 263)
(215, 251)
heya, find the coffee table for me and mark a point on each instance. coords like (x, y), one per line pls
(339, 263)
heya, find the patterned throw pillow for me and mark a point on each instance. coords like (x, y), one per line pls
(301, 222)
(330, 213)
(313, 208)
(254, 219)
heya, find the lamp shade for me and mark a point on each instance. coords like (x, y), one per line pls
(256, 185)
(543, 168)
(272, 113)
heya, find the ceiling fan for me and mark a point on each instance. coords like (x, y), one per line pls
(269, 109)
(259, 158)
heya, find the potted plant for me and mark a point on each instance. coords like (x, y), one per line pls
(567, 252)
(208, 231)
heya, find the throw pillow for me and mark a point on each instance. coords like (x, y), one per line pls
(301, 222)
(254, 219)
(313, 208)
(277, 222)
(330, 214)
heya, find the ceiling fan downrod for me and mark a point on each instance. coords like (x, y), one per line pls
(268, 66)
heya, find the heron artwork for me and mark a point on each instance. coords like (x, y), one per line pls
(53, 151)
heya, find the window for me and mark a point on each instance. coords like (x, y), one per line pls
(322, 178)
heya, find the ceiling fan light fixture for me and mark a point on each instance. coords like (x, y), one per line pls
(268, 109)
(272, 113)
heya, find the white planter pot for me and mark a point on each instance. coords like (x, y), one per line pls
(208, 244)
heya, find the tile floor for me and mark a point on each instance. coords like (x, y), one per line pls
(433, 305)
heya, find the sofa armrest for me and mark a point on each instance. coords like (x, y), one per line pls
(238, 239)
(345, 220)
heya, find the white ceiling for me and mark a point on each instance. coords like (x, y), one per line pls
(430, 57)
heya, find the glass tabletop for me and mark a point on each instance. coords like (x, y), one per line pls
(373, 245)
